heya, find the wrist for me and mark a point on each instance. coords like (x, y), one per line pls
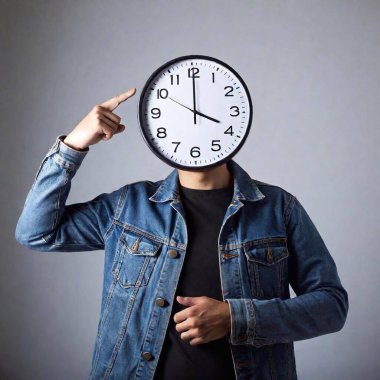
(227, 317)
(72, 145)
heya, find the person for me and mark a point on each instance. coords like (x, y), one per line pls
(197, 266)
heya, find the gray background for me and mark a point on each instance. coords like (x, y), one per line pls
(312, 68)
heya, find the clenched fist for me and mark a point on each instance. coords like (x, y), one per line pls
(205, 319)
(99, 124)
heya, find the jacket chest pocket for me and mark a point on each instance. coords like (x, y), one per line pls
(267, 263)
(137, 257)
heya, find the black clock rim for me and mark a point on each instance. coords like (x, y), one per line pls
(140, 116)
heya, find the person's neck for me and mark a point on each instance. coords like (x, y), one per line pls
(215, 178)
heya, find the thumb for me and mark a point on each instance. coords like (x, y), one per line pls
(120, 128)
(188, 301)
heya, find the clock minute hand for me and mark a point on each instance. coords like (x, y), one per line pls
(195, 112)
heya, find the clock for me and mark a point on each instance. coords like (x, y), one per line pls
(195, 112)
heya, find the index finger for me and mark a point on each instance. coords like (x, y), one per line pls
(181, 315)
(112, 103)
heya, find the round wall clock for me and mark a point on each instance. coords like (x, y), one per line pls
(195, 112)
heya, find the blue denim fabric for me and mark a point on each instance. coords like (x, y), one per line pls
(266, 243)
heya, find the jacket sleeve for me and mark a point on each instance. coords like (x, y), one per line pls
(321, 304)
(47, 223)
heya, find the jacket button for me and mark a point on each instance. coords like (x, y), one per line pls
(160, 302)
(147, 356)
(173, 253)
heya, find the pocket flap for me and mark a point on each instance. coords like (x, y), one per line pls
(137, 244)
(267, 253)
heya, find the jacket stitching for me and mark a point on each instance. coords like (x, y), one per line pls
(116, 214)
(101, 323)
(140, 231)
(288, 210)
(121, 334)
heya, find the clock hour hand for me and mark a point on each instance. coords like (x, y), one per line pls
(207, 117)
(195, 111)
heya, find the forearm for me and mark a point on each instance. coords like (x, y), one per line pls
(45, 202)
(321, 304)
(261, 322)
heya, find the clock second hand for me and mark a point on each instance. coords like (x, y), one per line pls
(195, 111)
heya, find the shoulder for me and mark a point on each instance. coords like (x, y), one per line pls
(278, 197)
(272, 189)
(143, 187)
(144, 183)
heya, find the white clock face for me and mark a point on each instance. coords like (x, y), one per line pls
(194, 112)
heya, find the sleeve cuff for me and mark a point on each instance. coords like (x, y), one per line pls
(243, 321)
(68, 156)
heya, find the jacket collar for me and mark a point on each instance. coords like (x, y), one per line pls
(244, 186)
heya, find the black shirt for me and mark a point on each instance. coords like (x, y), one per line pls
(200, 276)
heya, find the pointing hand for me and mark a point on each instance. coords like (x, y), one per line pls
(99, 124)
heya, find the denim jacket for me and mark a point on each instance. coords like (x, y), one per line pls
(267, 242)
